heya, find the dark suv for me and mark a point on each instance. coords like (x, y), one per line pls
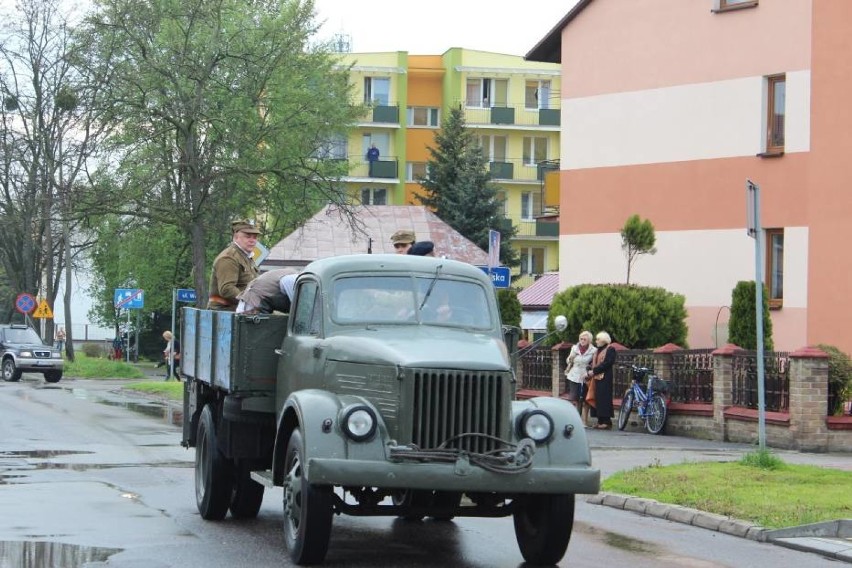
(21, 349)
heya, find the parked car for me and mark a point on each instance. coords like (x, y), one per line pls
(21, 349)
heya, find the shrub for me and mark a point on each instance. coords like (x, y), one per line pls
(92, 350)
(510, 307)
(762, 459)
(635, 316)
(839, 376)
(742, 328)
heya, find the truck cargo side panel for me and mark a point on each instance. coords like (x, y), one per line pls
(223, 347)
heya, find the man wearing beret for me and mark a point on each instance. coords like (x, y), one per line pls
(234, 268)
(402, 241)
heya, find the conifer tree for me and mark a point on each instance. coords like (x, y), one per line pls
(458, 187)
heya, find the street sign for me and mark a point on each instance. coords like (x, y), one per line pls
(259, 253)
(43, 311)
(129, 298)
(185, 295)
(25, 303)
(493, 248)
(501, 276)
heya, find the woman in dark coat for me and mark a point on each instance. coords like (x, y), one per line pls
(601, 372)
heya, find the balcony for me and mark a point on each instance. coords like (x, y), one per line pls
(545, 228)
(478, 115)
(386, 167)
(514, 170)
(386, 114)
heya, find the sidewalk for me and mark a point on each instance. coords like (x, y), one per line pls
(614, 451)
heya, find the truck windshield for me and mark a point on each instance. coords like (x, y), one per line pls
(396, 299)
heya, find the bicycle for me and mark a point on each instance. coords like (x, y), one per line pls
(650, 404)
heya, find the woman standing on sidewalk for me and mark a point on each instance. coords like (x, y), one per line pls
(172, 346)
(578, 362)
(601, 375)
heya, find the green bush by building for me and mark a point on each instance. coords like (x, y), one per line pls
(742, 326)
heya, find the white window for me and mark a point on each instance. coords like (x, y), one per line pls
(423, 116)
(377, 91)
(530, 205)
(415, 171)
(537, 94)
(532, 260)
(486, 93)
(374, 196)
(535, 150)
(494, 147)
(380, 139)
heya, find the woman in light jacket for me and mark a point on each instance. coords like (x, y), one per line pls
(578, 362)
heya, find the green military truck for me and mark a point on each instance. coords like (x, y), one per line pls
(388, 390)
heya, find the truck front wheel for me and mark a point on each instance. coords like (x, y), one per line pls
(543, 525)
(213, 471)
(307, 508)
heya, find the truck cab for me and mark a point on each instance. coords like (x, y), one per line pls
(388, 390)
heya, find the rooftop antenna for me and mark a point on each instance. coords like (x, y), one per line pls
(341, 42)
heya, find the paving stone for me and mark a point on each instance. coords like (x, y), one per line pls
(709, 520)
(613, 500)
(638, 504)
(736, 528)
(657, 509)
(680, 514)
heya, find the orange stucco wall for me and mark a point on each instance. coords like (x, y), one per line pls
(417, 141)
(703, 194)
(674, 42)
(830, 181)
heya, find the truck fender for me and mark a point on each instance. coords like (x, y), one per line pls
(568, 443)
(316, 413)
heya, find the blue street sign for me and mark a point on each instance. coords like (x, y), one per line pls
(129, 298)
(501, 276)
(185, 295)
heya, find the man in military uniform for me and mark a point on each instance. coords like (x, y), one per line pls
(402, 241)
(234, 268)
(271, 291)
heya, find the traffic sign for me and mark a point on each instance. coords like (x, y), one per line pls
(43, 311)
(501, 276)
(25, 303)
(493, 248)
(129, 298)
(259, 253)
(185, 295)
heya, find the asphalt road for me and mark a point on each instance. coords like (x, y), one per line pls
(89, 476)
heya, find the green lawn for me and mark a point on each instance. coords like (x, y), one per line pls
(100, 368)
(172, 390)
(772, 495)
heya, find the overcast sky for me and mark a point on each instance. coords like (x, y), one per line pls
(433, 26)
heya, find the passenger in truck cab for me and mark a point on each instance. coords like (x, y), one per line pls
(402, 241)
(270, 292)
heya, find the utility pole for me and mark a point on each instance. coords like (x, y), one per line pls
(755, 231)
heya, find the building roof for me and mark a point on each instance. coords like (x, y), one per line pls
(332, 232)
(540, 293)
(549, 48)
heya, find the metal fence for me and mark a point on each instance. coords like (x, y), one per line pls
(536, 368)
(692, 376)
(622, 374)
(776, 367)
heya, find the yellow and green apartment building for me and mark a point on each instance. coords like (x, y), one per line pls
(512, 104)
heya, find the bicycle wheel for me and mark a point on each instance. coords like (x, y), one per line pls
(625, 410)
(655, 415)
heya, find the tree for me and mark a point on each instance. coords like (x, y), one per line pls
(742, 325)
(458, 188)
(223, 106)
(637, 238)
(510, 307)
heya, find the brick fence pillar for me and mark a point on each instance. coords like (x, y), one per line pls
(723, 383)
(559, 353)
(663, 361)
(809, 399)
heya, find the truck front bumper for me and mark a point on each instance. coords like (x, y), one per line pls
(460, 476)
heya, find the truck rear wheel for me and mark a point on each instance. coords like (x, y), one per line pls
(543, 525)
(246, 494)
(307, 508)
(213, 471)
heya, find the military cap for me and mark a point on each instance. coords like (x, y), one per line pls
(245, 226)
(403, 236)
(422, 248)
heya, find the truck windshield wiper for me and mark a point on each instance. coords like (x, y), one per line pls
(431, 287)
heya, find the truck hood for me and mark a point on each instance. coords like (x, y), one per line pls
(419, 346)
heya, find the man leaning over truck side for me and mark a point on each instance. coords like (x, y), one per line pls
(234, 268)
(269, 292)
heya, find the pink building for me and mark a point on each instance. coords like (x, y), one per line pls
(668, 107)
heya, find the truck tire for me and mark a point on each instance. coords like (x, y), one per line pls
(446, 499)
(52, 376)
(414, 500)
(246, 494)
(10, 371)
(543, 525)
(307, 508)
(213, 472)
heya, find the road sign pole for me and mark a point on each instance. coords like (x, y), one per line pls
(172, 350)
(755, 230)
(127, 349)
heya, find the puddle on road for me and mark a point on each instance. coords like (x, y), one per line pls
(37, 554)
(619, 541)
(171, 414)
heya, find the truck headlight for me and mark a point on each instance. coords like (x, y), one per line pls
(359, 423)
(536, 425)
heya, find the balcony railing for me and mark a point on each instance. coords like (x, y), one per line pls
(538, 228)
(479, 114)
(513, 169)
(385, 167)
(387, 113)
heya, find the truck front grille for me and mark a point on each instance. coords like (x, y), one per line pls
(448, 403)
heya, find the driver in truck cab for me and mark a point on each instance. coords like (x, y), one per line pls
(234, 268)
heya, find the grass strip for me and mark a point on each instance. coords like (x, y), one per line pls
(84, 367)
(172, 390)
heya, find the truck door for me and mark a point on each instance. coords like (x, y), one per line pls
(302, 349)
